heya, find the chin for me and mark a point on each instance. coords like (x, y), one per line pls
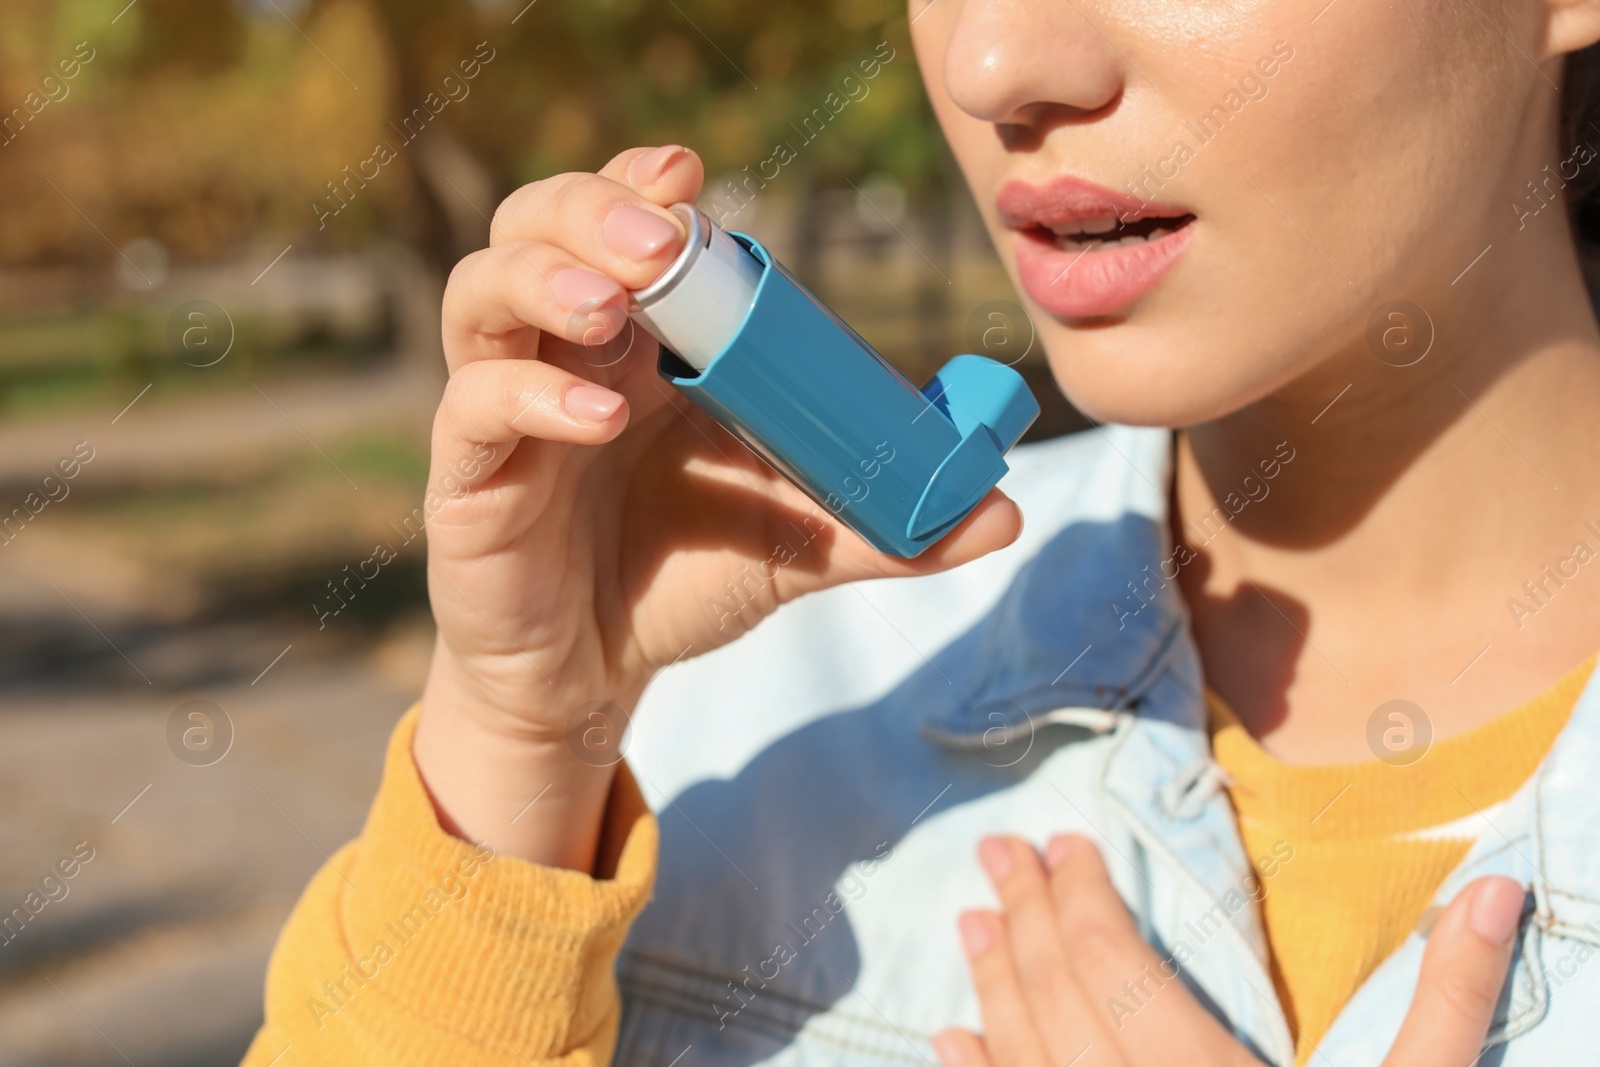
(1141, 380)
(1144, 376)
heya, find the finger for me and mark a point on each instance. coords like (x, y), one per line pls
(1066, 1023)
(500, 299)
(1009, 1029)
(667, 175)
(1463, 970)
(961, 1048)
(604, 223)
(1141, 1001)
(499, 402)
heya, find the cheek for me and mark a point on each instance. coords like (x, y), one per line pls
(1343, 188)
(1361, 147)
(1373, 172)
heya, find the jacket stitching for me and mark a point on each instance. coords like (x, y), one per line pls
(1580, 898)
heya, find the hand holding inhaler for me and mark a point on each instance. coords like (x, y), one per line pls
(587, 526)
(746, 342)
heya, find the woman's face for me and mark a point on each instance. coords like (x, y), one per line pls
(1274, 172)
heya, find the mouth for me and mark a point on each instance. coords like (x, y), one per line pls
(1084, 251)
(1107, 232)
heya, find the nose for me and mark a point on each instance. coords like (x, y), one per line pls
(1024, 63)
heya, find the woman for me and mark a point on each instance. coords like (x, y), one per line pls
(1294, 700)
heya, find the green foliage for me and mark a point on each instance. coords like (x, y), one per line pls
(209, 124)
(587, 79)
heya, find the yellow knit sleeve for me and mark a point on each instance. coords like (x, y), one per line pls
(413, 947)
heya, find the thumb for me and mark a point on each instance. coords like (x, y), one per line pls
(995, 523)
(1463, 970)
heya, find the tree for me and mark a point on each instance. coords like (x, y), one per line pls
(208, 125)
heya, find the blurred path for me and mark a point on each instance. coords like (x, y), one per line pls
(157, 953)
(201, 436)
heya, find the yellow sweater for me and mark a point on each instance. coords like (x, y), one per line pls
(1371, 843)
(412, 947)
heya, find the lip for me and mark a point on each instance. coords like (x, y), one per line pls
(1086, 284)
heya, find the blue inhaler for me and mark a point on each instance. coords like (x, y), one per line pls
(748, 343)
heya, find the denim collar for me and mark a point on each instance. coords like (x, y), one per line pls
(1565, 795)
(1049, 657)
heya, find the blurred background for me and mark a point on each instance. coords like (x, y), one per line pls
(224, 234)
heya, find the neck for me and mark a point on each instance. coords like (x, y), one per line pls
(1418, 507)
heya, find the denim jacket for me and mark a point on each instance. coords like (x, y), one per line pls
(823, 781)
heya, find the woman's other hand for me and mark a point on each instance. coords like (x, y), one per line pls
(1064, 946)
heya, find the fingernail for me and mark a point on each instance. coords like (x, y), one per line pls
(1427, 920)
(975, 934)
(654, 163)
(995, 855)
(948, 1049)
(1056, 851)
(637, 234)
(591, 403)
(572, 288)
(1496, 910)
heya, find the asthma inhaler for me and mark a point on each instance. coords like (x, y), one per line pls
(745, 341)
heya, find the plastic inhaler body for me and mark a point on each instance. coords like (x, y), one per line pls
(748, 343)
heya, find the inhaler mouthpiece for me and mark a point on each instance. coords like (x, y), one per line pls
(699, 302)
